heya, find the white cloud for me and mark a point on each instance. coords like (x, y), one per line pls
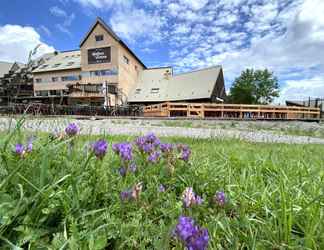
(16, 42)
(302, 89)
(56, 11)
(194, 4)
(44, 29)
(137, 23)
(68, 19)
(105, 4)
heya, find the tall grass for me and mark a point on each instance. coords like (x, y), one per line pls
(61, 197)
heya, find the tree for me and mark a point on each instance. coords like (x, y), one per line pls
(254, 87)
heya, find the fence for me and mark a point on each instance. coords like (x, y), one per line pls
(231, 111)
(46, 109)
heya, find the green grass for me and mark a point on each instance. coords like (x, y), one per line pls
(61, 198)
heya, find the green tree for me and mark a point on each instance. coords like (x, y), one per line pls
(254, 87)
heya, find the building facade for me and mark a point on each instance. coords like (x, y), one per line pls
(104, 71)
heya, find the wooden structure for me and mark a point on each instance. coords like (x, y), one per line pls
(231, 111)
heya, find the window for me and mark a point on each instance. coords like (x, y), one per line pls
(107, 72)
(55, 92)
(44, 66)
(138, 91)
(54, 79)
(42, 93)
(56, 65)
(126, 60)
(155, 90)
(71, 78)
(99, 38)
(38, 80)
(69, 63)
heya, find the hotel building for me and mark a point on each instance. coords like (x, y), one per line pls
(105, 69)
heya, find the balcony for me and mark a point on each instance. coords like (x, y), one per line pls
(85, 90)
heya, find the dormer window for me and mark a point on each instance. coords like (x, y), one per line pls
(126, 60)
(99, 38)
(155, 90)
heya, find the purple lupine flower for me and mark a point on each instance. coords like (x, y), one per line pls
(199, 241)
(100, 148)
(192, 236)
(125, 195)
(154, 157)
(115, 148)
(20, 149)
(124, 150)
(185, 152)
(161, 188)
(72, 129)
(190, 198)
(147, 143)
(166, 147)
(220, 198)
(29, 146)
(122, 171)
(133, 167)
(140, 141)
(151, 138)
(147, 148)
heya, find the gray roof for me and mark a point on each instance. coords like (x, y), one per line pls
(4, 68)
(155, 86)
(62, 61)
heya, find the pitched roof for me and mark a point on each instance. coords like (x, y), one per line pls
(62, 61)
(113, 34)
(155, 86)
(4, 68)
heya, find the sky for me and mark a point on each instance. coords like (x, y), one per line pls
(284, 36)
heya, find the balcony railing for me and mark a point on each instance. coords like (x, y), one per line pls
(89, 90)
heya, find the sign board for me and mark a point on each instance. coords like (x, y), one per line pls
(99, 55)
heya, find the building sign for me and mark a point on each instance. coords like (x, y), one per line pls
(99, 55)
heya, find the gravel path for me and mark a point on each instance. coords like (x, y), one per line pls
(108, 126)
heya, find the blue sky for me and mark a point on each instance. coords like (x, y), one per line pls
(286, 36)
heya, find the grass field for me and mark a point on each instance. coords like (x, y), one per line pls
(60, 196)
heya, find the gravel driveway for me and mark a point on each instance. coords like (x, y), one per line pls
(133, 127)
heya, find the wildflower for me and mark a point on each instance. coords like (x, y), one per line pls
(132, 194)
(124, 150)
(185, 152)
(29, 146)
(20, 149)
(154, 157)
(132, 167)
(136, 191)
(192, 236)
(72, 129)
(220, 198)
(125, 195)
(190, 198)
(147, 143)
(151, 138)
(166, 147)
(122, 171)
(161, 188)
(100, 148)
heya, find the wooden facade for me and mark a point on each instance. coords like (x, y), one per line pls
(231, 111)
